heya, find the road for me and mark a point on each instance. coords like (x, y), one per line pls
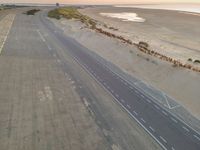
(168, 131)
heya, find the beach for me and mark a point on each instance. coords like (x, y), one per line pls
(173, 33)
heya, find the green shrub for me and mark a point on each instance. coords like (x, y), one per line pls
(72, 13)
(54, 14)
(32, 11)
(143, 44)
(197, 61)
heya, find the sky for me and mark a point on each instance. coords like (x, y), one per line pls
(99, 1)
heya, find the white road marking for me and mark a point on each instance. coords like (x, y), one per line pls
(135, 113)
(148, 101)
(5, 38)
(58, 60)
(152, 129)
(186, 129)
(163, 139)
(122, 100)
(116, 95)
(128, 106)
(173, 148)
(143, 120)
(157, 107)
(48, 93)
(49, 47)
(174, 120)
(41, 36)
(127, 111)
(142, 96)
(196, 137)
(164, 113)
(131, 87)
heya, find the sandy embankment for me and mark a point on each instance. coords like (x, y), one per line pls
(158, 30)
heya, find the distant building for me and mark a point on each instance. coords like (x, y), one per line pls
(57, 4)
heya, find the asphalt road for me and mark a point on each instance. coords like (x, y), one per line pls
(167, 130)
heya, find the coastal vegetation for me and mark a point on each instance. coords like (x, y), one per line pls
(197, 61)
(32, 11)
(72, 13)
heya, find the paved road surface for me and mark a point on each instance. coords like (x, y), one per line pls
(167, 130)
(161, 125)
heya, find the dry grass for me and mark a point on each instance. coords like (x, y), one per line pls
(72, 13)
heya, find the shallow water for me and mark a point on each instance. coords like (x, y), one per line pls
(124, 16)
(179, 7)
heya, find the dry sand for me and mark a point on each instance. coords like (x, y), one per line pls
(181, 84)
(173, 33)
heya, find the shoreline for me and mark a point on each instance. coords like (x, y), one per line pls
(193, 8)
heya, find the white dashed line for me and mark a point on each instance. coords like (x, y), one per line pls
(186, 129)
(116, 95)
(49, 47)
(164, 113)
(128, 106)
(142, 96)
(131, 87)
(163, 139)
(148, 101)
(157, 107)
(122, 100)
(58, 60)
(174, 120)
(152, 129)
(38, 31)
(143, 120)
(196, 137)
(135, 113)
(173, 148)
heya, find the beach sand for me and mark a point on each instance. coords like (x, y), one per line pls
(173, 33)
